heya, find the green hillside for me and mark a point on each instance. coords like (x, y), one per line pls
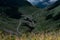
(39, 15)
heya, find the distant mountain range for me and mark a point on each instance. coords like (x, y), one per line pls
(42, 3)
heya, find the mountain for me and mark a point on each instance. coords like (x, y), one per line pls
(42, 3)
(39, 15)
(13, 3)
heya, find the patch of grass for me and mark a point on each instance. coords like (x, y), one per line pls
(32, 36)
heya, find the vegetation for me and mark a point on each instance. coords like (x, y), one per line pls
(32, 36)
(43, 29)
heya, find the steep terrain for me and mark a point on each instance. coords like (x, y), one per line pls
(39, 15)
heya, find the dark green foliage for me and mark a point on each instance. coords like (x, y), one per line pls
(13, 5)
(57, 17)
(13, 13)
(50, 16)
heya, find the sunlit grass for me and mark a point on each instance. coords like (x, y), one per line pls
(32, 36)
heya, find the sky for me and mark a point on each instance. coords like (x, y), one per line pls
(34, 2)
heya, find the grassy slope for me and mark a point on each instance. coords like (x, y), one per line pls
(37, 14)
(42, 25)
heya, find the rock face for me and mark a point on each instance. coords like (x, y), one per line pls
(29, 23)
